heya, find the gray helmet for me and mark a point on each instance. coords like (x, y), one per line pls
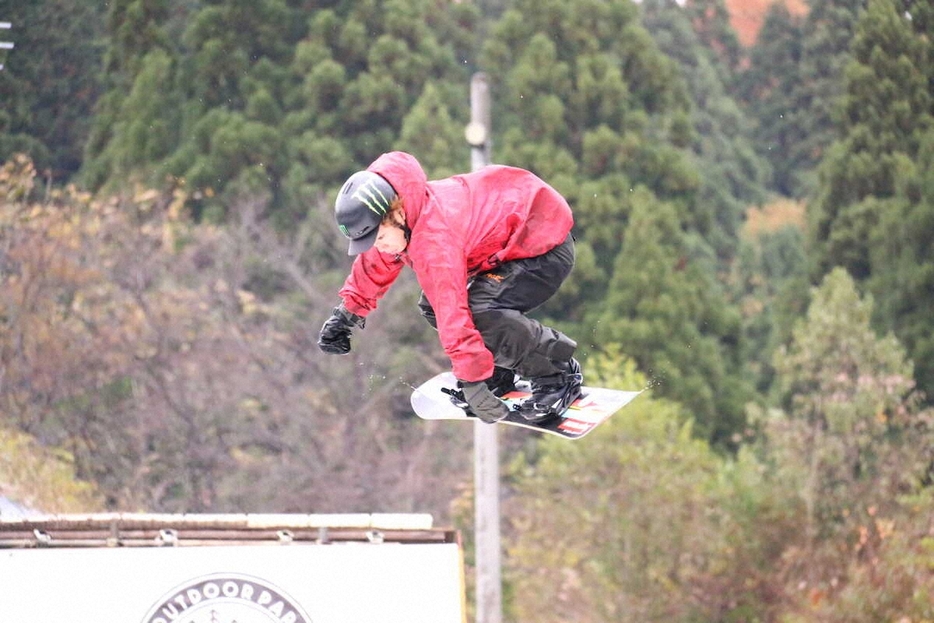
(362, 202)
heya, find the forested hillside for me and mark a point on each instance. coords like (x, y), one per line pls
(753, 222)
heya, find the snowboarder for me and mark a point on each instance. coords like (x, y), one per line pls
(487, 248)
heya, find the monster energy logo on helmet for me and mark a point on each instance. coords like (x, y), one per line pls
(372, 197)
(362, 202)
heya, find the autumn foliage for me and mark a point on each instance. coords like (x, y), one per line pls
(747, 16)
(131, 341)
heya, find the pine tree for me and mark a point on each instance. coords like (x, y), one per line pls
(669, 315)
(826, 33)
(734, 175)
(50, 81)
(270, 103)
(771, 277)
(430, 131)
(766, 87)
(145, 126)
(710, 19)
(585, 99)
(677, 536)
(850, 435)
(362, 76)
(138, 47)
(886, 107)
(902, 261)
(874, 203)
(791, 88)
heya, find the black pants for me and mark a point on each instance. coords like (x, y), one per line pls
(499, 301)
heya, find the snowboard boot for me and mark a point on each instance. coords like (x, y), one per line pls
(502, 382)
(553, 394)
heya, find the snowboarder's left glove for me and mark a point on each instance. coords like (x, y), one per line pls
(482, 402)
(334, 338)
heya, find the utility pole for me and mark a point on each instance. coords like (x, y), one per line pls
(489, 597)
(5, 45)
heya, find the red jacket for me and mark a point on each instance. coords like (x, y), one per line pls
(461, 226)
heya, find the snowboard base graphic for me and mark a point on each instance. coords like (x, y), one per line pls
(595, 406)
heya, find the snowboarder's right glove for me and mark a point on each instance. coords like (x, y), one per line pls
(482, 402)
(334, 338)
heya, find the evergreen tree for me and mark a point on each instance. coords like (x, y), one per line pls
(144, 123)
(585, 99)
(902, 261)
(850, 435)
(792, 84)
(710, 20)
(138, 47)
(771, 274)
(874, 208)
(364, 70)
(272, 102)
(643, 523)
(589, 101)
(886, 109)
(734, 175)
(429, 131)
(231, 41)
(826, 33)
(50, 81)
(847, 456)
(672, 318)
(767, 86)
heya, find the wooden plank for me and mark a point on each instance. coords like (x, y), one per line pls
(387, 521)
(160, 530)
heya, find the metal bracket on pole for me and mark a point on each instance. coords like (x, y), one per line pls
(479, 129)
(5, 45)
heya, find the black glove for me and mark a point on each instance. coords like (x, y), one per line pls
(482, 402)
(334, 338)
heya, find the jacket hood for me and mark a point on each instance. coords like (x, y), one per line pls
(407, 178)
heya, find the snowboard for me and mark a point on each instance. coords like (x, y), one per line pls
(431, 401)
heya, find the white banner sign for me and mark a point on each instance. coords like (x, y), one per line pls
(333, 583)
